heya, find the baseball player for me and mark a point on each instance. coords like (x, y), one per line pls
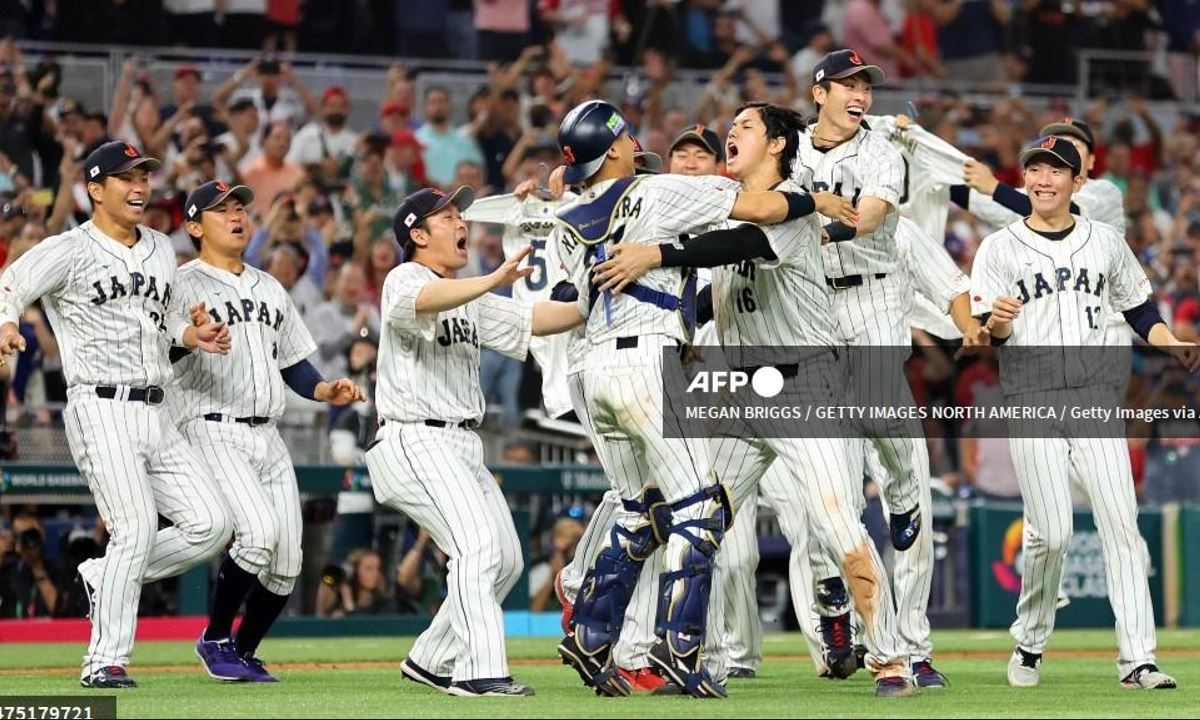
(768, 291)
(670, 496)
(227, 408)
(838, 153)
(426, 461)
(109, 289)
(1040, 282)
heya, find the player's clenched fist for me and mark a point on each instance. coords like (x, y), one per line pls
(835, 207)
(198, 314)
(1005, 309)
(339, 392)
(626, 264)
(10, 341)
(213, 337)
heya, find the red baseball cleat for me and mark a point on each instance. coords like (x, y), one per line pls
(568, 608)
(642, 679)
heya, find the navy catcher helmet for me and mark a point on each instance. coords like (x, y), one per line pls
(586, 134)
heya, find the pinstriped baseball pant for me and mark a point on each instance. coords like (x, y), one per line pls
(436, 476)
(137, 467)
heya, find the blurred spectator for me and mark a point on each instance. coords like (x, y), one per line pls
(421, 28)
(582, 27)
(568, 529)
(338, 322)
(326, 147)
(277, 96)
(283, 18)
(381, 258)
(499, 375)
(1181, 23)
(369, 195)
(498, 132)
(971, 38)
(355, 430)
(271, 173)
(421, 577)
(27, 579)
(445, 147)
(866, 30)
(1051, 34)
(192, 23)
(470, 173)
(243, 23)
(460, 29)
(361, 591)
(818, 43)
(501, 29)
(286, 264)
(711, 47)
(405, 164)
(918, 37)
(395, 117)
(242, 137)
(285, 226)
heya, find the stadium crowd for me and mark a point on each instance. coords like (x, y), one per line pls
(326, 187)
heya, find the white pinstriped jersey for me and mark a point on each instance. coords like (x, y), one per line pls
(656, 209)
(111, 306)
(866, 165)
(933, 278)
(1067, 287)
(429, 363)
(530, 222)
(784, 301)
(267, 334)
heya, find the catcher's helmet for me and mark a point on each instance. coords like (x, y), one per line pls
(586, 134)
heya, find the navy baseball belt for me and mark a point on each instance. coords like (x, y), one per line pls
(252, 421)
(849, 281)
(152, 395)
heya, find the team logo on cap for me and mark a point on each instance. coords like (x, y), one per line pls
(1069, 120)
(439, 193)
(221, 187)
(820, 75)
(1049, 143)
(191, 211)
(94, 171)
(615, 123)
(855, 59)
(569, 154)
(410, 220)
(130, 150)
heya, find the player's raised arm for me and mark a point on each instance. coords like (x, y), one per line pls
(41, 270)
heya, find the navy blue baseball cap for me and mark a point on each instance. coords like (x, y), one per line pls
(586, 134)
(841, 64)
(423, 203)
(211, 194)
(1055, 148)
(704, 137)
(114, 158)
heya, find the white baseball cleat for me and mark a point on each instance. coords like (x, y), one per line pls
(1024, 669)
(1148, 677)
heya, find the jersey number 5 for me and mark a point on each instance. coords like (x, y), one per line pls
(537, 280)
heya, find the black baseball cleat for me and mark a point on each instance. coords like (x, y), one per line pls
(927, 676)
(685, 673)
(905, 528)
(741, 673)
(596, 670)
(860, 655)
(490, 687)
(414, 672)
(112, 677)
(837, 636)
(893, 687)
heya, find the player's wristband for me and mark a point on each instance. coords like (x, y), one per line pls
(303, 378)
(564, 291)
(1143, 318)
(840, 232)
(799, 205)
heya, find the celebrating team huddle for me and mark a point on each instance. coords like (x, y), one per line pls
(177, 378)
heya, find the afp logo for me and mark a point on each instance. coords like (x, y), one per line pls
(765, 382)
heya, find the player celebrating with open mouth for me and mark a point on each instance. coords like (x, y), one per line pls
(227, 408)
(426, 461)
(1048, 280)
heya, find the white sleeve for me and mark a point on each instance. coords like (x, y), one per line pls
(42, 270)
(399, 301)
(494, 209)
(882, 170)
(1102, 201)
(689, 204)
(176, 311)
(306, 147)
(1128, 285)
(989, 277)
(505, 325)
(295, 341)
(933, 271)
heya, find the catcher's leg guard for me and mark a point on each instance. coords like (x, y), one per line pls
(604, 596)
(684, 592)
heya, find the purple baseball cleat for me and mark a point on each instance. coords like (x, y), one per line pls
(256, 670)
(221, 660)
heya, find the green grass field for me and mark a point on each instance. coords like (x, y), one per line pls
(358, 677)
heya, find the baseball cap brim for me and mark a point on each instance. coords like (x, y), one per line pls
(1069, 130)
(647, 161)
(1031, 154)
(148, 163)
(461, 197)
(239, 192)
(875, 73)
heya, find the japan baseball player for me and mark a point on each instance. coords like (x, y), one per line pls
(837, 153)
(768, 290)
(1039, 282)
(671, 495)
(426, 461)
(110, 292)
(227, 408)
